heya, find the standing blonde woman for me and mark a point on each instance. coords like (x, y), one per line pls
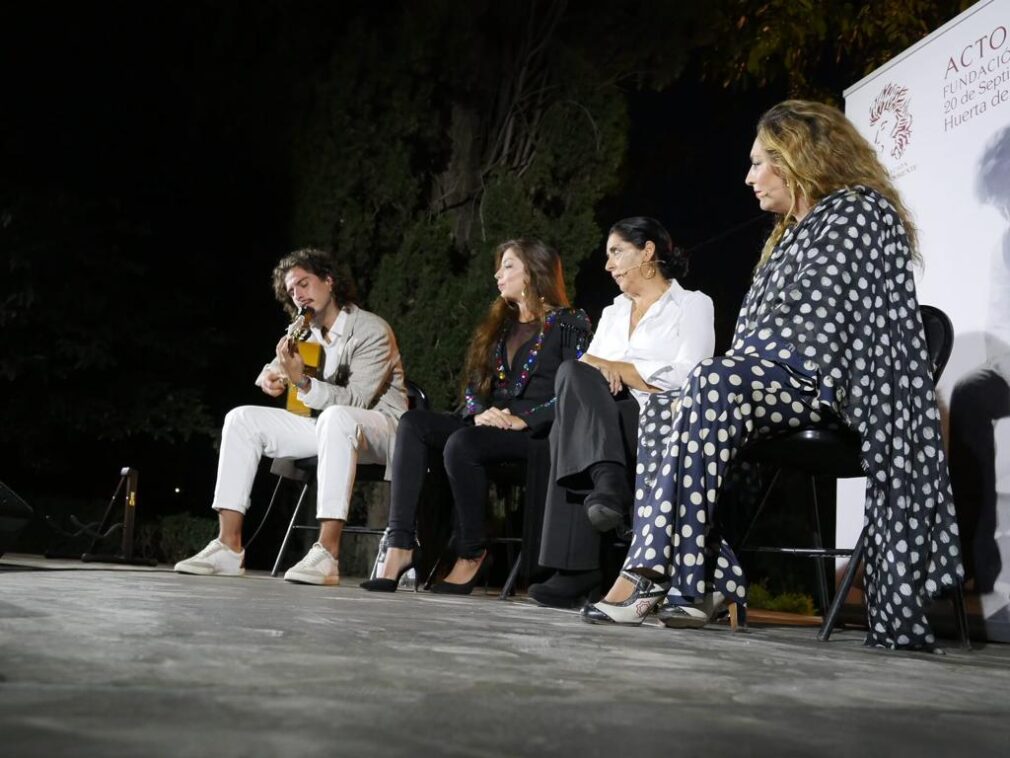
(829, 332)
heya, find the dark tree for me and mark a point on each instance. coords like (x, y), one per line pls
(160, 157)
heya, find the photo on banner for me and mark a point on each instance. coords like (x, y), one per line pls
(939, 116)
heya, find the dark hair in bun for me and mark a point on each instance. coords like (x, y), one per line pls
(638, 230)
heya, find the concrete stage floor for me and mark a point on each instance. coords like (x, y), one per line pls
(143, 663)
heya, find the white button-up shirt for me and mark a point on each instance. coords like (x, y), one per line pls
(675, 334)
(333, 348)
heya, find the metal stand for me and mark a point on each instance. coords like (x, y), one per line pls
(127, 476)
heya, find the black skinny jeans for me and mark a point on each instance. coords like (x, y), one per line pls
(425, 438)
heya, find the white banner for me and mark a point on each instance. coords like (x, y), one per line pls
(939, 114)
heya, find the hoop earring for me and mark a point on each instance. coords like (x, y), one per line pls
(648, 266)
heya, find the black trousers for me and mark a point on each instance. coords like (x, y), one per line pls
(590, 426)
(979, 399)
(426, 439)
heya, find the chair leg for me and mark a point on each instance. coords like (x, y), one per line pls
(960, 615)
(760, 508)
(431, 574)
(287, 534)
(822, 575)
(380, 554)
(514, 556)
(843, 589)
(513, 575)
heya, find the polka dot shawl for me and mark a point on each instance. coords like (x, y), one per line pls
(837, 301)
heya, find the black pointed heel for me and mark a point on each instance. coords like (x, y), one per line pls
(390, 585)
(482, 574)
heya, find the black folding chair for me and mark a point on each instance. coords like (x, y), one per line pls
(836, 454)
(303, 471)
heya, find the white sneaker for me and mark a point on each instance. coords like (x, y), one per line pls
(217, 559)
(317, 567)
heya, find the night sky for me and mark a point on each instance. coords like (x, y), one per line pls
(158, 130)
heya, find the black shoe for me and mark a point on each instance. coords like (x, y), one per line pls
(568, 589)
(609, 503)
(450, 588)
(604, 512)
(390, 585)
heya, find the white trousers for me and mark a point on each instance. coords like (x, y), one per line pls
(341, 436)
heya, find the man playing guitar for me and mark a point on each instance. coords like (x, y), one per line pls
(355, 404)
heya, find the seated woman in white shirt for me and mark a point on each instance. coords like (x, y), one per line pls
(647, 341)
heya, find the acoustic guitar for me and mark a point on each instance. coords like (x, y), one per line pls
(298, 334)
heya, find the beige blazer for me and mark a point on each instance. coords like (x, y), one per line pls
(369, 372)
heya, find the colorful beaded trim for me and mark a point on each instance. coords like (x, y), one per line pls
(501, 371)
(474, 406)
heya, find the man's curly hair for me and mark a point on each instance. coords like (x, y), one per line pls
(320, 263)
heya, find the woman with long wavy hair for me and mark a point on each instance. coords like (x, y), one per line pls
(829, 333)
(509, 393)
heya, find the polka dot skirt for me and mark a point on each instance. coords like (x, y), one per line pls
(683, 460)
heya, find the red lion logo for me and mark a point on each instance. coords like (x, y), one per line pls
(892, 119)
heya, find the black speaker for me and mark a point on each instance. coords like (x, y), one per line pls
(15, 513)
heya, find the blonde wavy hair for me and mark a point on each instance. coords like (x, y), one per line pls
(816, 150)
